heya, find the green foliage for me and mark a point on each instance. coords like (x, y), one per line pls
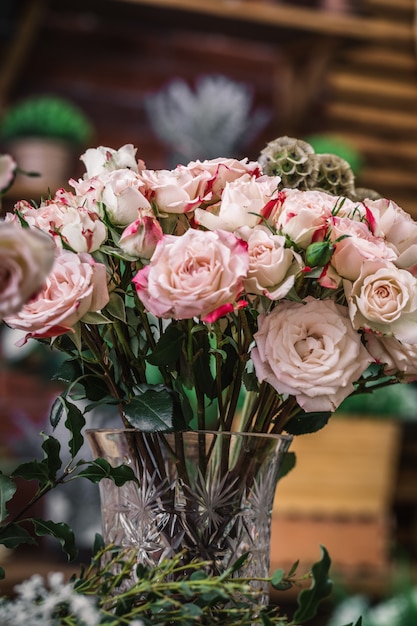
(46, 116)
(172, 593)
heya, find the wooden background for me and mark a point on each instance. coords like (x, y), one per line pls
(354, 76)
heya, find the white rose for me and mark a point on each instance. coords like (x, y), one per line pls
(384, 299)
(102, 160)
(242, 203)
(310, 351)
(272, 266)
(117, 195)
(26, 257)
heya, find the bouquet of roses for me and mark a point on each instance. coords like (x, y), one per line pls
(223, 295)
(184, 287)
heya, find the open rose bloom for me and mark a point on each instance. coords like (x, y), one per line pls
(215, 278)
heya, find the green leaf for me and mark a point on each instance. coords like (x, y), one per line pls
(2, 573)
(14, 535)
(153, 411)
(75, 422)
(288, 463)
(52, 460)
(60, 531)
(94, 318)
(307, 423)
(7, 491)
(276, 578)
(116, 307)
(34, 470)
(57, 411)
(100, 468)
(321, 587)
(69, 371)
(168, 348)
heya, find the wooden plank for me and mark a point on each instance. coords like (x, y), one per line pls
(386, 119)
(374, 146)
(353, 544)
(290, 17)
(379, 58)
(385, 87)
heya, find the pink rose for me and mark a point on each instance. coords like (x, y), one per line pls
(310, 351)
(222, 171)
(242, 203)
(272, 266)
(304, 216)
(358, 246)
(399, 359)
(139, 239)
(384, 299)
(67, 221)
(176, 191)
(76, 286)
(26, 257)
(193, 275)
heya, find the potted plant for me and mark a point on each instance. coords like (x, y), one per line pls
(43, 133)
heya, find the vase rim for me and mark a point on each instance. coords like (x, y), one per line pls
(282, 436)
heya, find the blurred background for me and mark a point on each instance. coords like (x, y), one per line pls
(188, 79)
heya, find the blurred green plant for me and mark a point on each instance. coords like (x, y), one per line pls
(46, 116)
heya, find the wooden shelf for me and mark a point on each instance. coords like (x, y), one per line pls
(290, 17)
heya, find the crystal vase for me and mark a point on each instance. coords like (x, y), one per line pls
(208, 494)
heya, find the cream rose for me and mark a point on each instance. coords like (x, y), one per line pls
(195, 275)
(384, 299)
(242, 203)
(357, 244)
(272, 266)
(75, 286)
(310, 351)
(26, 257)
(399, 359)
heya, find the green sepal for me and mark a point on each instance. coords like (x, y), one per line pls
(319, 253)
(307, 423)
(60, 531)
(7, 491)
(100, 468)
(321, 587)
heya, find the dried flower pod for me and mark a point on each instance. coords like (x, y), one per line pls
(362, 193)
(292, 159)
(335, 175)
